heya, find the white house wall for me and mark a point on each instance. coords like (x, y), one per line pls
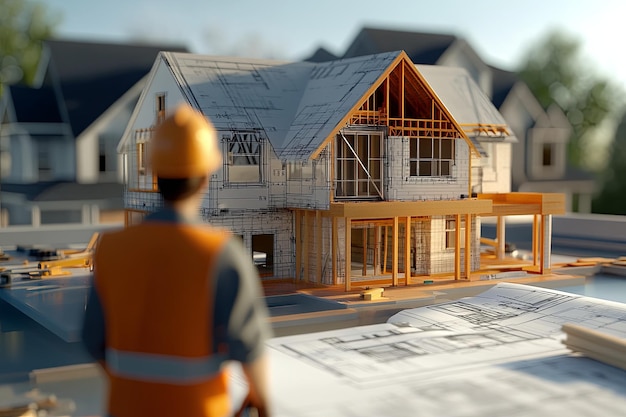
(277, 223)
(496, 168)
(146, 117)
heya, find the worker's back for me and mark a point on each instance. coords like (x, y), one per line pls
(156, 288)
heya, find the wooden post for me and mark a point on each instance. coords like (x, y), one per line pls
(394, 267)
(542, 243)
(318, 246)
(501, 238)
(376, 260)
(457, 247)
(364, 271)
(305, 245)
(407, 250)
(385, 246)
(334, 248)
(534, 239)
(298, 244)
(468, 245)
(348, 249)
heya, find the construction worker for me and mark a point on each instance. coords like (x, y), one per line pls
(173, 299)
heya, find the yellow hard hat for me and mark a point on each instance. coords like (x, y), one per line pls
(184, 145)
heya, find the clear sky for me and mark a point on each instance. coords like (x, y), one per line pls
(500, 31)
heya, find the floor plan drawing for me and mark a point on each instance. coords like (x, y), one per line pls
(499, 353)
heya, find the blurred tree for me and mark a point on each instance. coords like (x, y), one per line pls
(556, 73)
(611, 199)
(24, 24)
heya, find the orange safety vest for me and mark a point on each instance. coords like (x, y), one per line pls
(155, 286)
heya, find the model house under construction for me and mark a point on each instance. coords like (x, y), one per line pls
(355, 171)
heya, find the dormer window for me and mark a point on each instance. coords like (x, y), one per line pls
(244, 157)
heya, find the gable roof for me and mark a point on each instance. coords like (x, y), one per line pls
(34, 105)
(467, 103)
(92, 76)
(297, 105)
(422, 48)
(502, 83)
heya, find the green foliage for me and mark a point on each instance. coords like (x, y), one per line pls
(556, 73)
(24, 24)
(611, 199)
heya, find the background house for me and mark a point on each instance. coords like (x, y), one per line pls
(58, 139)
(539, 157)
(352, 170)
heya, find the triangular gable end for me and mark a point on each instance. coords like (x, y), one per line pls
(402, 100)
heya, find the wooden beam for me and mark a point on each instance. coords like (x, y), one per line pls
(348, 249)
(388, 209)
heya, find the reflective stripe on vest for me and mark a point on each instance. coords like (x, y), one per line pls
(167, 369)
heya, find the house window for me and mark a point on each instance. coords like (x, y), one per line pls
(102, 159)
(141, 158)
(160, 107)
(359, 158)
(451, 232)
(244, 151)
(548, 155)
(44, 162)
(431, 157)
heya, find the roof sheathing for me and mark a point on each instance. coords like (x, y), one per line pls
(242, 94)
(336, 90)
(467, 103)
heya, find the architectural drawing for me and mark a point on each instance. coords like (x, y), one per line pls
(499, 353)
(353, 172)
